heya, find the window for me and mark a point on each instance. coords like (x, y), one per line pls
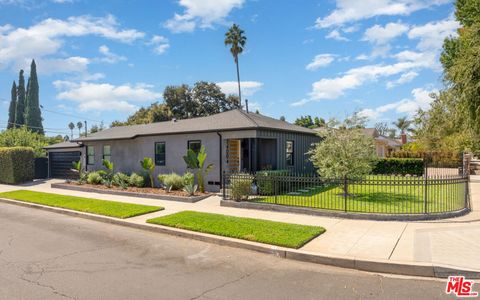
(90, 155)
(290, 155)
(160, 154)
(195, 145)
(106, 152)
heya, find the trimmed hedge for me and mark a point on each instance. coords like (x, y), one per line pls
(399, 166)
(445, 158)
(17, 164)
(265, 184)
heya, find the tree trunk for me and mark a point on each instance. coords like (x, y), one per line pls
(238, 80)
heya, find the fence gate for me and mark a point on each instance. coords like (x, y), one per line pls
(41, 168)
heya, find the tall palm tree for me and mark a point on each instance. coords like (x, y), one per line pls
(71, 126)
(403, 124)
(235, 38)
(79, 126)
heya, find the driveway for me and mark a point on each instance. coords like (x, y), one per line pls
(44, 255)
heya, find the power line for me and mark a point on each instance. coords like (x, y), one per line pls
(69, 115)
(50, 131)
(49, 128)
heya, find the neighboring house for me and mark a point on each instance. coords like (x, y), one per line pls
(383, 145)
(234, 140)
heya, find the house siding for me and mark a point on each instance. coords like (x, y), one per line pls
(302, 144)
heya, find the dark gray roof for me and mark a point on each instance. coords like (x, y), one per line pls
(230, 120)
(62, 145)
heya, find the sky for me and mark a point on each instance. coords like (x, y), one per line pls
(100, 61)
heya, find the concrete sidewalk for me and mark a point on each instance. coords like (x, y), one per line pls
(454, 242)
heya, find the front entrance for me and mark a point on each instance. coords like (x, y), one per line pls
(251, 154)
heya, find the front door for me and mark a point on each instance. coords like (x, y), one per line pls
(233, 155)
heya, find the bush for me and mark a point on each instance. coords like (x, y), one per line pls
(399, 166)
(94, 178)
(241, 186)
(137, 180)
(188, 179)
(171, 181)
(265, 182)
(121, 179)
(16, 165)
(444, 158)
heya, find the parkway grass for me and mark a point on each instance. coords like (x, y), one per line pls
(95, 206)
(263, 231)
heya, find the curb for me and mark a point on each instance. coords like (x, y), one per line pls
(378, 266)
(344, 215)
(127, 194)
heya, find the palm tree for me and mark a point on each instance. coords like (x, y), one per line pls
(71, 126)
(79, 126)
(403, 124)
(237, 40)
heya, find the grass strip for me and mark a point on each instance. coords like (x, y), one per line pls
(95, 206)
(263, 231)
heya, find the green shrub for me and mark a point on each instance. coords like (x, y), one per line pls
(121, 179)
(265, 182)
(433, 157)
(399, 166)
(17, 165)
(137, 180)
(171, 181)
(190, 188)
(188, 179)
(94, 178)
(241, 186)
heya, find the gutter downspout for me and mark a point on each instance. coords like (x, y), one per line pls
(220, 138)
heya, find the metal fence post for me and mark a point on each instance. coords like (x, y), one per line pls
(223, 186)
(425, 188)
(275, 191)
(345, 192)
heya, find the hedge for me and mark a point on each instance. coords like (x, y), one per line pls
(265, 184)
(399, 166)
(17, 164)
(433, 157)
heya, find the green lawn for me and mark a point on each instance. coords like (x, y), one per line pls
(95, 206)
(268, 232)
(381, 197)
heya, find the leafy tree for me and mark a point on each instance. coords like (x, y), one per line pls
(382, 128)
(210, 99)
(24, 137)
(319, 122)
(196, 161)
(180, 102)
(13, 107)
(71, 126)
(20, 111)
(305, 121)
(403, 124)
(79, 126)
(96, 128)
(154, 113)
(33, 114)
(344, 153)
(236, 39)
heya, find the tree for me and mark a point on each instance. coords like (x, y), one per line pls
(96, 128)
(154, 113)
(33, 114)
(236, 39)
(344, 153)
(382, 128)
(180, 102)
(20, 111)
(22, 137)
(282, 118)
(319, 122)
(79, 126)
(13, 107)
(403, 124)
(71, 126)
(210, 99)
(305, 121)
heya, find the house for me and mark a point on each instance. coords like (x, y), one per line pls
(383, 145)
(60, 158)
(234, 141)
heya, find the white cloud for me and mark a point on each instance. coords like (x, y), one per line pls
(335, 35)
(420, 100)
(104, 96)
(347, 11)
(320, 60)
(201, 14)
(74, 64)
(248, 87)
(432, 34)
(382, 35)
(46, 38)
(404, 78)
(108, 56)
(160, 44)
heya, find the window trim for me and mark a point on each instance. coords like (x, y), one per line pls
(292, 153)
(110, 152)
(164, 153)
(91, 155)
(194, 141)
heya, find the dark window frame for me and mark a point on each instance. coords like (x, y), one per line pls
(194, 141)
(157, 159)
(290, 155)
(109, 155)
(92, 162)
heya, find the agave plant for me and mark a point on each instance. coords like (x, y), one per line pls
(196, 161)
(191, 189)
(149, 166)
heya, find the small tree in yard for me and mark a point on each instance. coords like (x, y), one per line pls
(196, 161)
(344, 153)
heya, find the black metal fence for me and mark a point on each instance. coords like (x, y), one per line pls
(440, 189)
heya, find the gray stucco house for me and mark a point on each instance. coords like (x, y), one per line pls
(234, 140)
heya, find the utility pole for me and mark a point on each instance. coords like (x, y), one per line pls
(85, 128)
(246, 105)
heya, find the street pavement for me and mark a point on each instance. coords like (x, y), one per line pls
(45, 255)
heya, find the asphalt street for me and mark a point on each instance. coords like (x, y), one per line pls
(44, 255)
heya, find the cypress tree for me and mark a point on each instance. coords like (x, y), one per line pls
(20, 111)
(33, 114)
(13, 107)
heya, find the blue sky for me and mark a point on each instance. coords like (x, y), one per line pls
(101, 60)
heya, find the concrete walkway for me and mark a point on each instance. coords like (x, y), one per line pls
(454, 242)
